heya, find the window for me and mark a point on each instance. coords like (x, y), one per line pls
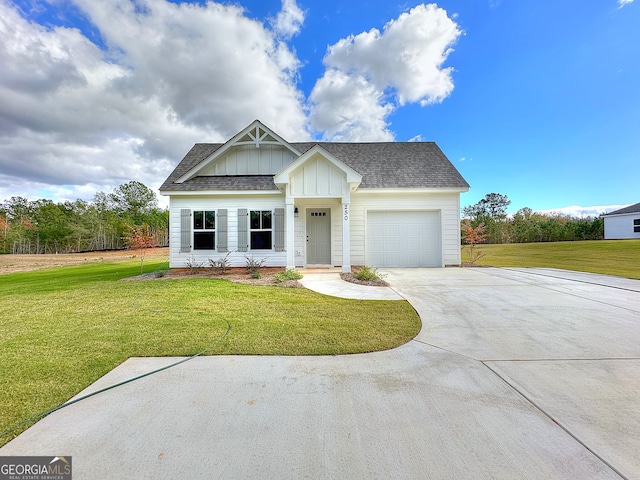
(636, 225)
(204, 230)
(260, 230)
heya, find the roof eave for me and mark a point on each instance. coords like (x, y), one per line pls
(190, 193)
(605, 215)
(414, 189)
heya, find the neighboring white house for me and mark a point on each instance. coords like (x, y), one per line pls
(308, 204)
(623, 223)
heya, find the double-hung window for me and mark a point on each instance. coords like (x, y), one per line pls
(204, 230)
(636, 225)
(260, 229)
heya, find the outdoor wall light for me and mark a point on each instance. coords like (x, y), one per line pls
(295, 212)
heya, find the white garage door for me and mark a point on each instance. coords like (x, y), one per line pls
(404, 239)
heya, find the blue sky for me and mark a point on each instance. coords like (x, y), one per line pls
(537, 100)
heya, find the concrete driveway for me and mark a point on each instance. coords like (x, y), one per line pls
(516, 374)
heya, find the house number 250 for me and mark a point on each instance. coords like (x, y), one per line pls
(346, 212)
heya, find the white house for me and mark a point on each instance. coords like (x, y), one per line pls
(623, 223)
(311, 204)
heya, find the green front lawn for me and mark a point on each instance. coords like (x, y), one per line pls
(611, 257)
(63, 328)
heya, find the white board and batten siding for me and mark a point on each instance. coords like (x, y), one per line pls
(178, 204)
(317, 178)
(249, 160)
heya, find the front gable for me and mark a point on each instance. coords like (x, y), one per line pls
(256, 150)
(249, 160)
(317, 173)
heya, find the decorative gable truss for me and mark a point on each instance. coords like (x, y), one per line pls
(256, 150)
(257, 135)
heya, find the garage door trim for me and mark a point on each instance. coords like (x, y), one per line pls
(404, 238)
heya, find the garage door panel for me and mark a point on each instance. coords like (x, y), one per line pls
(403, 239)
(392, 230)
(391, 245)
(415, 244)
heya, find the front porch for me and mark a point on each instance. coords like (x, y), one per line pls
(317, 189)
(321, 234)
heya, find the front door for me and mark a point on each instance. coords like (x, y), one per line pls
(319, 236)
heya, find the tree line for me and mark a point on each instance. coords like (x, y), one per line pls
(527, 226)
(43, 226)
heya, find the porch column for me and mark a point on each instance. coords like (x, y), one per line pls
(346, 234)
(290, 233)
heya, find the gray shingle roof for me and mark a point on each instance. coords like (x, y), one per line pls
(630, 209)
(231, 183)
(395, 164)
(381, 164)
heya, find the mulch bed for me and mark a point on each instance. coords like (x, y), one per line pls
(351, 277)
(240, 275)
(235, 275)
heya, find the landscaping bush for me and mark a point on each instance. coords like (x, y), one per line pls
(253, 266)
(220, 265)
(368, 274)
(288, 274)
(192, 265)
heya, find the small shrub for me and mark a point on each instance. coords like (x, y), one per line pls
(288, 274)
(253, 266)
(368, 274)
(220, 265)
(192, 265)
(256, 274)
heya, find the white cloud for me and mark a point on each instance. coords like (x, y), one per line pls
(407, 56)
(622, 3)
(580, 212)
(78, 114)
(289, 20)
(214, 67)
(403, 63)
(72, 114)
(349, 108)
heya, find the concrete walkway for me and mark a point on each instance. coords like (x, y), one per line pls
(515, 374)
(328, 282)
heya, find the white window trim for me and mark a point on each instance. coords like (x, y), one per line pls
(251, 230)
(204, 230)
